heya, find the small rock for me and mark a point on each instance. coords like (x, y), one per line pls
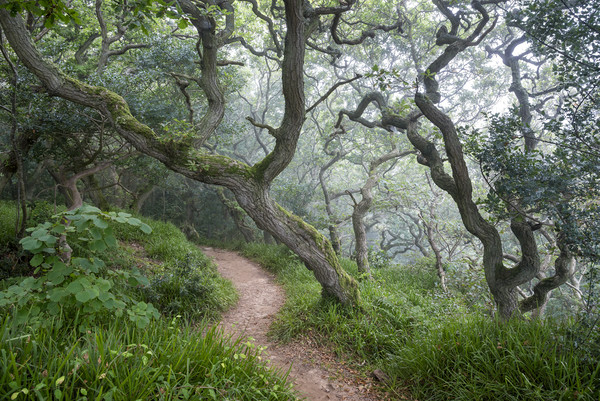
(380, 375)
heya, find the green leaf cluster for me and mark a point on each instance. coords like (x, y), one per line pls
(52, 11)
(75, 281)
(560, 183)
(386, 79)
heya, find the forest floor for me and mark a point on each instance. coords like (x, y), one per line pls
(317, 374)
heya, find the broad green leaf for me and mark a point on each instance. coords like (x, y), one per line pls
(59, 272)
(119, 304)
(59, 265)
(39, 233)
(103, 285)
(56, 278)
(182, 24)
(87, 294)
(53, 308)
(59, 229)
(97, 264)
(96, 233)
(48, 239)
(97, 246)
(137, 278)
(16, 290)
(145, 228)
(57, 294)
(78, 285)
(108, 303)
(83, 263)
(81, 225)
(100, 223)
(30, 244)
(105, 297)
(134, 222)
(36, 260)
(111, 241)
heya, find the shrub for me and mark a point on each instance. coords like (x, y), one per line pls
(75, 283)
(186, 290)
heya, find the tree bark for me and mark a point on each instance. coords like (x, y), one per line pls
(439, 266)
(311, 246)
(68, 186)
(249, 184)
(361, 208)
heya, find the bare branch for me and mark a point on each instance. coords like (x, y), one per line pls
(270, 25)
(331, 90)
(364, 34)
(270, 129)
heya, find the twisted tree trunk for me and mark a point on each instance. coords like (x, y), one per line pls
(250, 185)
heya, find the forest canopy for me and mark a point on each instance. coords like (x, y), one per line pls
(461, 131)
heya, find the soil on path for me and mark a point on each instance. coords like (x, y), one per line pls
(316, 373)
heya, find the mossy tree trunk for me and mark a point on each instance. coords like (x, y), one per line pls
(503, 281)
(250, 184)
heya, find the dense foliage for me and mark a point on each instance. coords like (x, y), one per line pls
(449, 147)
(87, 351)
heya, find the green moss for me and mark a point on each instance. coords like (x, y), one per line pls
(217, 165)
(346, 281)
(260, 167)
(207, 165)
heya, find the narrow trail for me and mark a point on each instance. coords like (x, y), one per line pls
(316, 373)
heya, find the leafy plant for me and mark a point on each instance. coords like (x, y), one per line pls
(379, 259)
(185, 290)
(74, 280)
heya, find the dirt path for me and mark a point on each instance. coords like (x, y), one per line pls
(314, 369)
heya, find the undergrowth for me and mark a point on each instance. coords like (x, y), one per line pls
(183, 281)
(118, 361)
(177, 357)
(432, 343)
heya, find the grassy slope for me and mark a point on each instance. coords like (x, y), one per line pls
(183, 280)
(169, 359)
(433, 344)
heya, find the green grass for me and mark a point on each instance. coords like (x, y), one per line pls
(477, 358)
(117, 361)
(172, 358)
(393, 306)
(185, 282)
(431, 343)
(7, 222)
